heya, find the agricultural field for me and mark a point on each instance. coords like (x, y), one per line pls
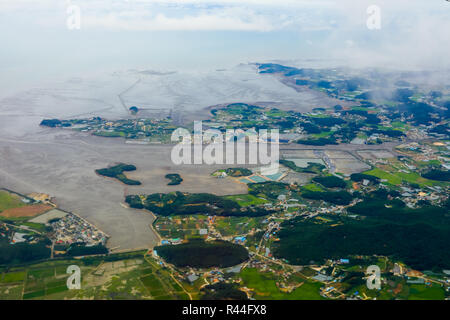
(245, 200)
(400, 125)
(399, 289)
(313, 187)
(276, 113)
(12, 206)
(396, 177)
(182, 227)
(34, 282)
(229, 226)
(9, 201)
(109, 134)
(134, 277)
(426, 292)
(384, 175)
(187, 227)
(26, 211)
(13, 277)
(323, 134)
(264, 287)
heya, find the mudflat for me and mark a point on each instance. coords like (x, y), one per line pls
(62, 163)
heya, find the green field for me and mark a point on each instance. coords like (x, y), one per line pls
(423, 292)
(41, 273)
(9, 201)
(245, 200)
(153, 285)
(109, 134)
(391, 179)
(312, 187)
(423, 164)
(13, 277)
(47, 280)
(34, 294)
(276, 113)
(36, 226)
(400, 125)
(323, 134)
(397, 177)
(264, 286)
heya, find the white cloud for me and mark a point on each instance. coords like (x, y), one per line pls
(228, 19)
(413, 31)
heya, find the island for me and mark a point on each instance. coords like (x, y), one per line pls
(174, 178)
(117, 172)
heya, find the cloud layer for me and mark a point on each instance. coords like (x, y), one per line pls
(414, 33)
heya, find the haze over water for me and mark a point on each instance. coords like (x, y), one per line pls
(38, 48)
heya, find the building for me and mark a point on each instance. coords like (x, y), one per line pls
(397, 270)
(192, 277)
(18, 238)
(40, 197)
(240, 239)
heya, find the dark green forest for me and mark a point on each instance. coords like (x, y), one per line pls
(178, 203)
(222, 291)
(201, 254)
(418, 237)
(174, 178)
(117, 172)
(22, 252)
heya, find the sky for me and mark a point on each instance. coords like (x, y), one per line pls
(37, 44)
